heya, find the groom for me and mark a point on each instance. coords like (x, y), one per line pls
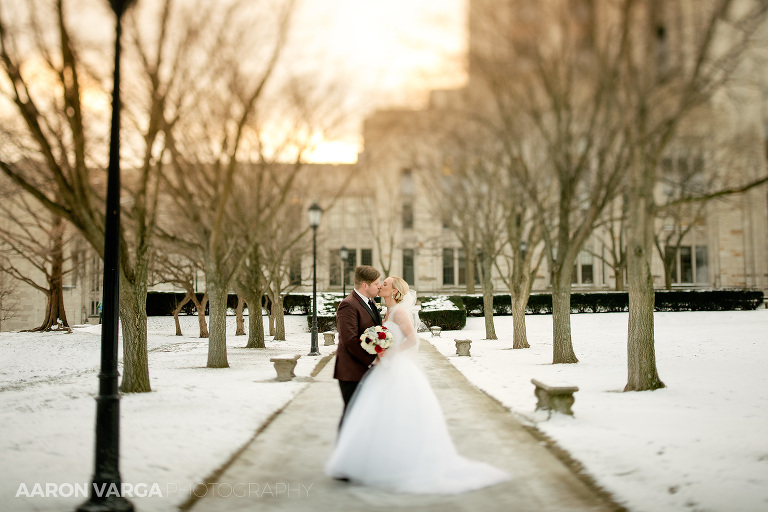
(356, 313)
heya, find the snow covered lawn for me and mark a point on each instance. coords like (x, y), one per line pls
(194, 419)
(699, 444)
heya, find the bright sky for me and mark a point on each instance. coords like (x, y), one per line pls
(391, 53)
(385, 53)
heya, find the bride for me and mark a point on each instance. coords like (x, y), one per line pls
(394, 435)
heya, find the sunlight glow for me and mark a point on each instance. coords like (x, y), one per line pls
(334, 152)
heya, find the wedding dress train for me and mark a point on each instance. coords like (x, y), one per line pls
(394, 435)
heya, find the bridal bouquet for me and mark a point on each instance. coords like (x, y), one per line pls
(376, 339)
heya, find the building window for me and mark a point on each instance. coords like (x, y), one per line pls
(349, 267)
(690, 265)
(407, 191)
(294, 272)
(584, 269)
(686, 265)
(96, 273)
(448, 268)
(462, 268)
(479, 255)
(407, 214)
(407, 187)
(702, 268)
(334, 268)
(366, 256)
(408, 270)
(446, 213)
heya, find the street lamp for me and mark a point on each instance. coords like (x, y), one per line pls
(107, 473)
(344, 253)
(523, 247)
(315, 213)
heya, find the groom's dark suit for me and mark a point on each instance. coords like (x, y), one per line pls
(352, 361)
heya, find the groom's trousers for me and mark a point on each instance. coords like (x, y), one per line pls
(348, 388)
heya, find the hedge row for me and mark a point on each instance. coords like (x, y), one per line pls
(448, 319)
(612, 302)
(163, 303)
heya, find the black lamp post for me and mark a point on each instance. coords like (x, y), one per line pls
(315, 214)
(106, 475)
(344, 254)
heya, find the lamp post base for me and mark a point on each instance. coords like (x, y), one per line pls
(106, 504)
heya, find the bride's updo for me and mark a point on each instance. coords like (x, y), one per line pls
(400, 288)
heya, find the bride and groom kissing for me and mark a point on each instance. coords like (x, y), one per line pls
(392, 433)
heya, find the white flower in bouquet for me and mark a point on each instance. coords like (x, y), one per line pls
(376, 339)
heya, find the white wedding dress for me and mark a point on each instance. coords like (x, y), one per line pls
(394, 435)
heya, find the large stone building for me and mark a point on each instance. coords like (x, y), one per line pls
(722, 243)
(382, 209)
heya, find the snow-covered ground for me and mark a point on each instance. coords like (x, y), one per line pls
(699, 444)
(194, 419)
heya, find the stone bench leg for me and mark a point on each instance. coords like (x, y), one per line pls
(555, 402)
(554, 398)
(462, 347)
(284, 367)
(330, 338)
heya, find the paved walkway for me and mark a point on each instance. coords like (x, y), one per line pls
(282, 468)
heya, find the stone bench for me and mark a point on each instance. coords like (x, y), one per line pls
(435, 330)
(284, 366)
(330, 338)
(462, 347)
(554, 397)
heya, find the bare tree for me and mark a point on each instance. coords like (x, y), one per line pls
(394, 133)
(180, 270)
(468, 194)
(252, 286)
(9, 302)
(523, 256)
(661, 89)
(52, 149)
(611, 235)
(214, 132)
(552, 84)
(35, 240)
(279, 250)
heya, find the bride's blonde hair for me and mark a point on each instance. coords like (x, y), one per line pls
(401, 288)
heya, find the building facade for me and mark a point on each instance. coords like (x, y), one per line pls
(382, 211)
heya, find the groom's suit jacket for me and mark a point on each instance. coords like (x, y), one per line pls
(352, 318)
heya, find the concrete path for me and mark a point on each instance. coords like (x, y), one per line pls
(282, 468)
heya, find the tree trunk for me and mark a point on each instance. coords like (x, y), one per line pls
(240, 331)
(217, 315)
(54, 305)
(277, 306)
(562, 347)
(176, 311)
(490, 330)
(470, 270)
(133, 322)
(668, 258)
(200, 305)
(519, 303)
(618, 275)
(272, 329)
(641, 355)
(520, 336)
(255, 322)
